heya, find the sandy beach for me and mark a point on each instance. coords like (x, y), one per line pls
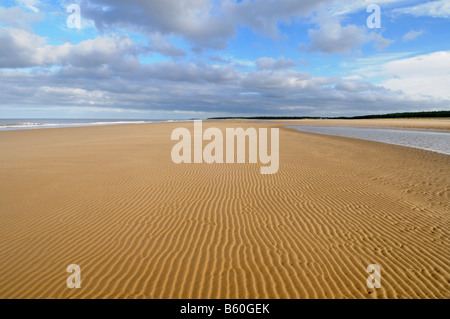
(111, 200)
(412, 123)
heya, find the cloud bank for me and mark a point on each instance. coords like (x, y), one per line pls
(183, 68)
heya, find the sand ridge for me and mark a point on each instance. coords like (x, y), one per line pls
(111, 200)
(412, 123)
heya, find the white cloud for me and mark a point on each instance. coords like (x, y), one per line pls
(203, 23)
(435, 9)
(160, 44)
(332, 37)
(190, 87)
(30, 4)
(232, 60)
(17, 18)
(411, 35)
(419, 76)
(263, 16)
(21, 49)
(366, 67)
(270, 63)
(339, 7)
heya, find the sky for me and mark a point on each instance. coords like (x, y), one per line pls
(182, 59)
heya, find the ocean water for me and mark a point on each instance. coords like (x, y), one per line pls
(436, 141)
(26, 124)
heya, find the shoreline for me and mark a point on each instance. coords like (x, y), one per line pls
(434, 124)
(39, 126)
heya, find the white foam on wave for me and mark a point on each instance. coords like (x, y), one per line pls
(35, 125)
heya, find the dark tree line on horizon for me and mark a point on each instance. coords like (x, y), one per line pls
(432, 114)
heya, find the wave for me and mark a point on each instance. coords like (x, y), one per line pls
(31, 125)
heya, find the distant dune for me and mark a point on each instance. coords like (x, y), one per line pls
(438, 123)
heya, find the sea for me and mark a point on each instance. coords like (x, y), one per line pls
(430, 140)
(27, 124)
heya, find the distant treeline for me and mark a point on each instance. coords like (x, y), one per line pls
(401, 115)
(434, 114)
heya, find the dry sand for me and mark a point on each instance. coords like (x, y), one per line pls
(110, 200)
(420, 123)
